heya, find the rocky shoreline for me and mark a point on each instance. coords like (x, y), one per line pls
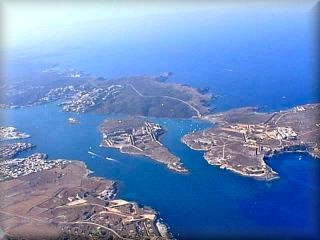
(67, 201)
(138, 136)
(241, 139)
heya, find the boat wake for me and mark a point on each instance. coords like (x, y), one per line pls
(98, 155)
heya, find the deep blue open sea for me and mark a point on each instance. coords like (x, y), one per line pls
(259, 60)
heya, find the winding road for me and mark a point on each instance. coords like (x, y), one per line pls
(173, 98)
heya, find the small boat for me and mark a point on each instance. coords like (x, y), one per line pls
(111, 159)
(97, 155)
(73, 121)
(94, 154)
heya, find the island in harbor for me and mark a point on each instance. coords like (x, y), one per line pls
(242, 138)
(137, 135)
(57, 199)
(11, 133)
(10, 150)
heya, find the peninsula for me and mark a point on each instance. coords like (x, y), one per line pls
(136, 135)
(11, 150)
(136, 95)
(242, 138)
(57, 199)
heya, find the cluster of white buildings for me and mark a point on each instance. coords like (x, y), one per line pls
(10, 133)
(23, 166)
(147, 132)
(57, 93)
(286, 133)
(83, 100)
(261, 131)
(11, 150)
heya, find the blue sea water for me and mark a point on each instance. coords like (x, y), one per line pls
(208, 201)
(260, 58)
(263, 60)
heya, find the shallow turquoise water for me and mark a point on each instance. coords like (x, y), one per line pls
(206, 202)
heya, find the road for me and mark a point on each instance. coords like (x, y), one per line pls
(24, 217)
(173, 98)
(98, 225)
(76, 222)
(281, 116)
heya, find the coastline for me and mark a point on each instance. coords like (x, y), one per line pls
(168, 165)
(269, 155)
(242, 139)
(93, 193)
(138, 136)
(161, 227)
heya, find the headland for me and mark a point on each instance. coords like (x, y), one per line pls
(136, 95)
(57, 199)
(242, 138)
(137, 135)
